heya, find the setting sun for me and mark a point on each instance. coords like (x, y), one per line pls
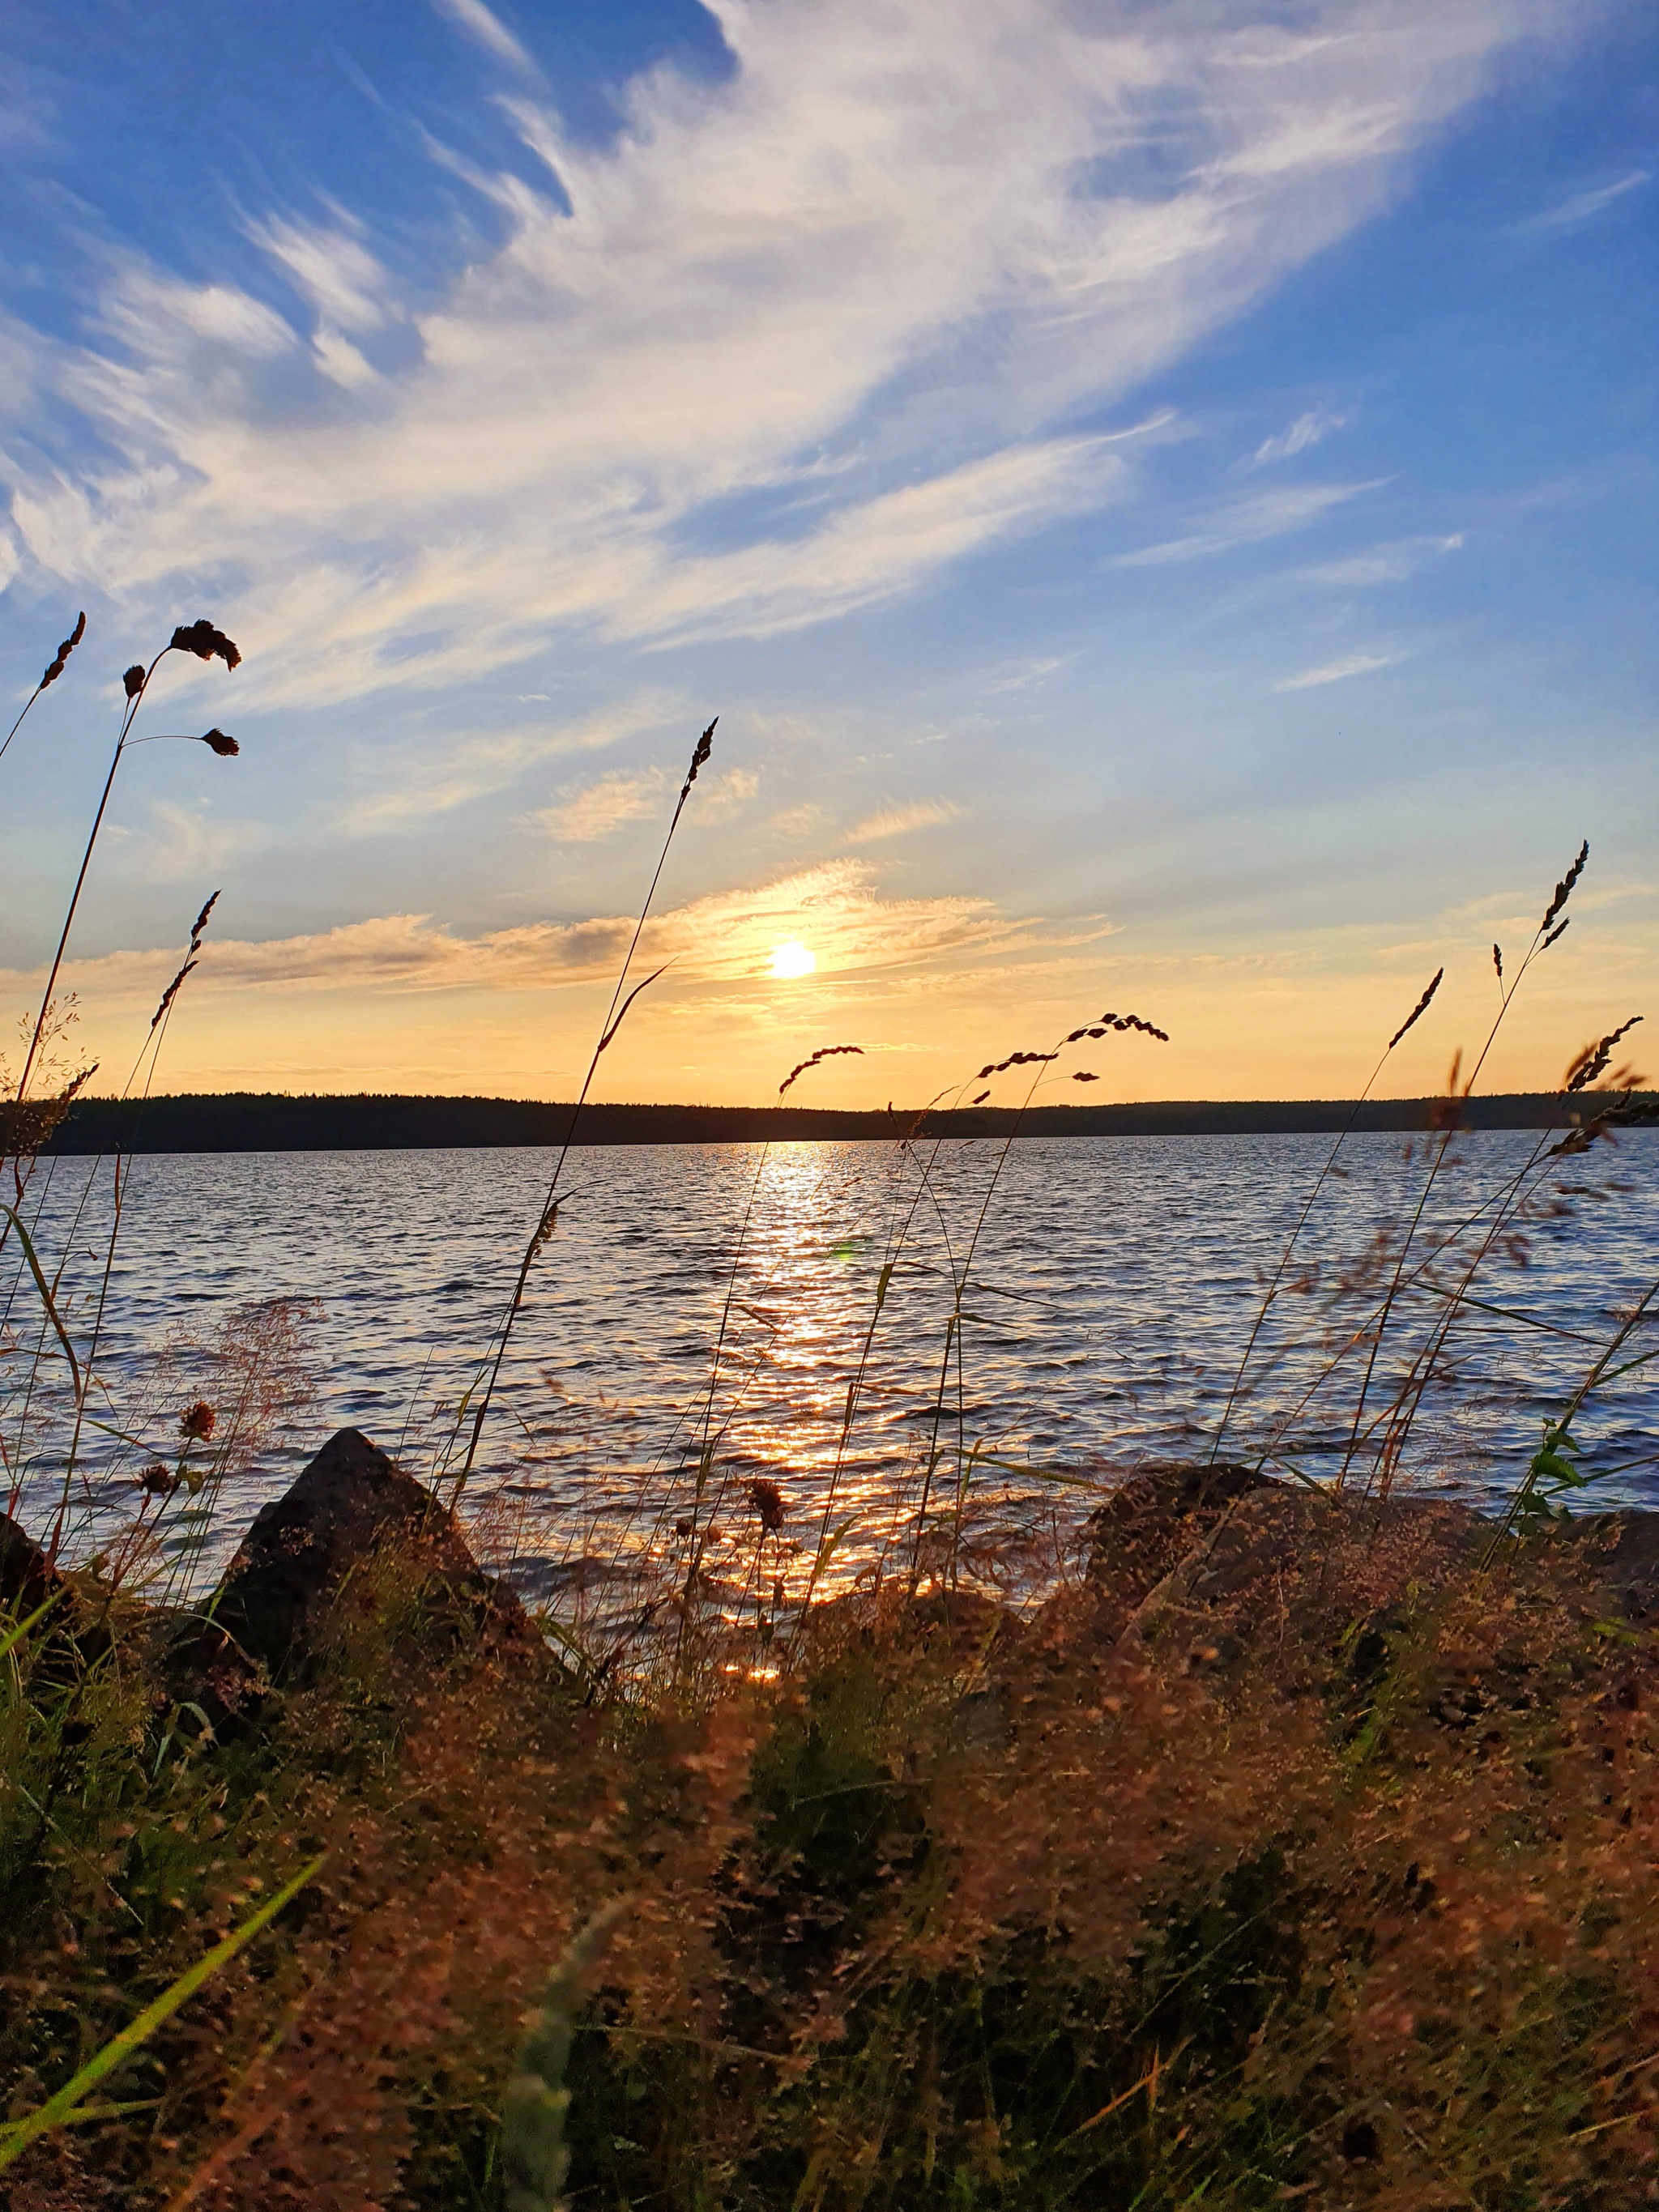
(793, 959)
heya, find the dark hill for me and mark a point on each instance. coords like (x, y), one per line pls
(250, 1121)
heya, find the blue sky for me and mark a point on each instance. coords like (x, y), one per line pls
(1159, 496)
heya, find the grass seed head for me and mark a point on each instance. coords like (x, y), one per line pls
(171, 993)
(1016, 1060)
(1131, 1022)
(1591, 1060)
(201, 638)
(1422, 1006)
(1564, 888)
(823, 1052)
(59, 660)
(768, 1501)
(705, 746)
(201, 920)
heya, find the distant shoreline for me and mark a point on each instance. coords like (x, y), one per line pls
(248, 1121)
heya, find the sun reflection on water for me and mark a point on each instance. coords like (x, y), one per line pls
(1112, 1289)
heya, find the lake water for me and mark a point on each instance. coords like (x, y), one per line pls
(1110, 1292)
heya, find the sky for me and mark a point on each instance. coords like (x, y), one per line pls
(1159, 495)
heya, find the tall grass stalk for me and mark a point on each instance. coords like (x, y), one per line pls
(547, 1221)
(54, 669)
(148, 1060)
(1260, 1320)
(1546, 935)
(205, 642)
(1038, 1062)
(1550, 1474)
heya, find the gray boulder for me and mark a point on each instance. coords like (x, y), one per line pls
(313, 1550)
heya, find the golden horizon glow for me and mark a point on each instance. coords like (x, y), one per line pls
(792, 959)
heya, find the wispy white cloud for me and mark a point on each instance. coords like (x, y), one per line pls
(1579, 207)
(486, 28)
(1391, 563)
(895, 252)
(723, 798)
(896, 820)
(1335, 671)
(1311, 429)
(1249, 522)
(341, 361)
(1026, 673)
(189, 843)
(330, 266)
(171, 325)
(405, 785)
(871, 551)
(583, 813)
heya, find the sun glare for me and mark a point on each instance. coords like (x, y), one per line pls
(794, 958)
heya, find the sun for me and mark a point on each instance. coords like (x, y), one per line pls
(793, 959)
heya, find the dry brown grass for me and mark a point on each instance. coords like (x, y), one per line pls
(1334, 1869)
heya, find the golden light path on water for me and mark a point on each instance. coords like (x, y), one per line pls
(698, 1324)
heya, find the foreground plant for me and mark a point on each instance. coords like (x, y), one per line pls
(484, 1386)
(54, 669)
(206, 642)
(1330, 1881)
(535, 2156)
(27, 1122)
(69, 2103)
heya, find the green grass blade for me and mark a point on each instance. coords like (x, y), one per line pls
(19, 1629)
(1063, 1476)
(44, 1289)
(16, 2138)
(535, 2157)
(832, 1543)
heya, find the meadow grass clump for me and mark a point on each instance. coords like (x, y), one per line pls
(1337, 1876)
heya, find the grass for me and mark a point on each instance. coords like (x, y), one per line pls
(1304, 1853)
(958, 1906)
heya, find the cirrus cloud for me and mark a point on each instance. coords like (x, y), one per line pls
(896, 820)
(894, 256)
(1337, 671)
(583, 813)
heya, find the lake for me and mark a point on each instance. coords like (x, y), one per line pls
(1110, 1292)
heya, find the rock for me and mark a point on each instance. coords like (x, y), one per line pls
(1284, 1546)
(26, 1576)
(1194, 1537)
(961, 1621)
(76, 1629)
(1626, 1547)
(350, 1508)
(1145, 1530)
(1226, 1544)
